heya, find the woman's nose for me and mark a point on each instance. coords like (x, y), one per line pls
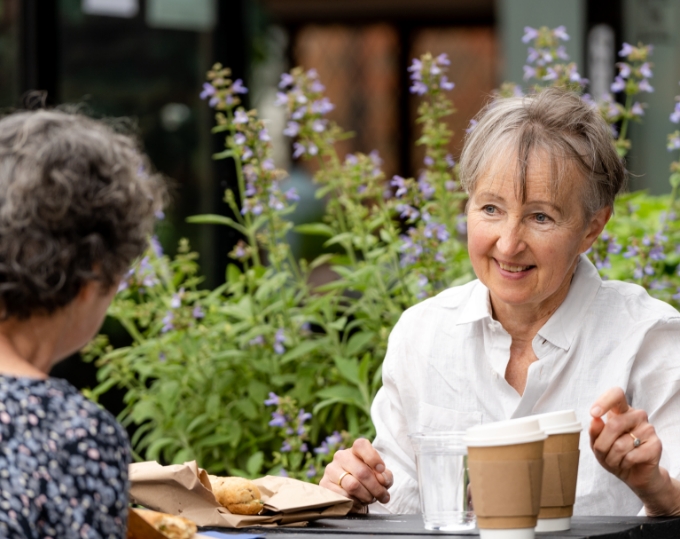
(510, 240)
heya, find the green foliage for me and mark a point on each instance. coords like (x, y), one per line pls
(202, 363)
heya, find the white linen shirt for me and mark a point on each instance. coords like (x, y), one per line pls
(445, 370)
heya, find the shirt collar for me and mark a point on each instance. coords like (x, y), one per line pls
(561, 327)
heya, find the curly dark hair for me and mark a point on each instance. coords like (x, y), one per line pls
(77, 203)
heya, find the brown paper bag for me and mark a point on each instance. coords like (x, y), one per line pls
(184, 489)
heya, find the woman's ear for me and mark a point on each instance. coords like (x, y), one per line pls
(595, 227)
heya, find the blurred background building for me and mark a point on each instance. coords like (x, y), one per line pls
(146, 60)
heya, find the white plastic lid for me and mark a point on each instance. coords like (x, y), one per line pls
(514, 431)
(562, 422)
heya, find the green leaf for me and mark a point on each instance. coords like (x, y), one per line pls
(675, 180)
(349, 369)
(315, 229)
(338, 324)
(233, 273)
(223, 154)
(358, 342)
(254, 464)
(303, 349)
(213, 219)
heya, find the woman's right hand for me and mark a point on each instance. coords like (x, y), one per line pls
(367, 479)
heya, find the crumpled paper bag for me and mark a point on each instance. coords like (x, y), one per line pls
(184, 489)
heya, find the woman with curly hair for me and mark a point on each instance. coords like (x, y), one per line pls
(76, 208)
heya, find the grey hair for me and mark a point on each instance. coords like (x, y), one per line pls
(77, 204)
(555, 121)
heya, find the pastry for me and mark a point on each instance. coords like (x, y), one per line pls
(237, 494)
(171, 526)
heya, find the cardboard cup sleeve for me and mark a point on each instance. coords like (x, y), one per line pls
(506, 485)
(560, 471)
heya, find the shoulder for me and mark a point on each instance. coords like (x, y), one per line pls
(448, 303)
(631, 304)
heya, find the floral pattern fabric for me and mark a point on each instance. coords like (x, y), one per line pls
(63, 463)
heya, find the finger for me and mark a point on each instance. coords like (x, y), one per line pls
(619, 426)
(365, 451)
(614, 399)
(363, 484)
(596, 428)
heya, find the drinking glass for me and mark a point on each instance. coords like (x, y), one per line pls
(441, 460)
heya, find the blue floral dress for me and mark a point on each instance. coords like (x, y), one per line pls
(63, 463)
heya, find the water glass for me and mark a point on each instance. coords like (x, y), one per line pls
(441, 460)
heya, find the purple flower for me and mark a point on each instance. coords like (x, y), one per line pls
(276, 205)
(311, 471)
(649, 270)
(256, 341)
(471, 126)
(533, 55)
(631, 251)
(278, 420)
(637, 109)
(239, 138)
(637, 273)
(283, 473)
(449, 160)
(614, 248)
(416, 69)
(450, 185)
(160, 215)
(626, 49)
(400, 184)
(263, 135)
(426, 188)
(286, 80)
(124, 285)
(292, 129)
(444, 83)
(461, 224)
(198, 313)
(428, 161)
(176, 301)
(443, 59)
(291, 195)
(273, 399)
(312, 149)
(247, 153)
(562, 53)
(673, 142)
(156, 246)
(335, 438)
(167, 322)
(240, 117)
(676, 296)
(675, 115)
(312, 73)
(529, 34)
(624, 70)
(319, 126)
(303, 416)
(644, 86)
(238, 87)
(162, 357)
(285, 447)
(529, 72)
(656, 253)
(208, 90)
(317, 87)
(281, 99)
(418, 87)
(550, 75)
(646, 70)
(560, 33)
(323, 449)
(279, 339)
(322, 106)
(351, 159)
(618, 85)
(303, 448)
(298, 150)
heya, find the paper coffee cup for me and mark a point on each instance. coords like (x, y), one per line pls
(505, 461)
(560, 469)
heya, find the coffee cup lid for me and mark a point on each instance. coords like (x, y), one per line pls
(513, 431)
(562, 422)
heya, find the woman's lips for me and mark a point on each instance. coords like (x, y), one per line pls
(513, 270)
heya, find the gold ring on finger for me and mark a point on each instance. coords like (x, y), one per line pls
(636, 441)
(342, 476)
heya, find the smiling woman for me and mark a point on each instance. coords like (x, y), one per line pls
(538, 331)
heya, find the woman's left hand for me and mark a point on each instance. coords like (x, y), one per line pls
(627, 446)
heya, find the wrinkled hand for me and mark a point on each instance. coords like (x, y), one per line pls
(368, 478)
(614, 448)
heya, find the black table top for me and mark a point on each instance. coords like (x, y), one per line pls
(411, 526)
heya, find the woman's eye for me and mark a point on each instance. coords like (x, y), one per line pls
(489, 209)
(542, 218)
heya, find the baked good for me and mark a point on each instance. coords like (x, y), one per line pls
(171, 526)
(237, 494)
